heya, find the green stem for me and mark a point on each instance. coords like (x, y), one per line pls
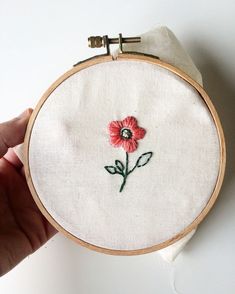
(132, 169)
(125, 173)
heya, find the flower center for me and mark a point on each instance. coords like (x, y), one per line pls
(126, 133)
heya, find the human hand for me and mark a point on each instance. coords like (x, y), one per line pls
(23, 229)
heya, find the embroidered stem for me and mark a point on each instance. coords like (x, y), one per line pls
(132, 169)
(123, 170)
(125, 173)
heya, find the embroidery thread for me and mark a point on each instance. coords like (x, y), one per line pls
(125, 134)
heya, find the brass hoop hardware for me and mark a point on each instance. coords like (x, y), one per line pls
(105, 41)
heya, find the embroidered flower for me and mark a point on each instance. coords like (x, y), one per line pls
(125, 133)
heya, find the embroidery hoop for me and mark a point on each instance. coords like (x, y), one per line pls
(128, 56)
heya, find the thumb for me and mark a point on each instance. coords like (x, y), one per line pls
(12, 132)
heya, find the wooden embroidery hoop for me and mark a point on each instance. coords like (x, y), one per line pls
(130, 56)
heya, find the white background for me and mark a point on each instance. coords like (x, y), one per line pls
(39, 40)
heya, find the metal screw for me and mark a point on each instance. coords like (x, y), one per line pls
(105, 41)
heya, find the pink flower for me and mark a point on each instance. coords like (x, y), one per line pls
(125, 133)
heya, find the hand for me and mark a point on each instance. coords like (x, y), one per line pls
(23, 229)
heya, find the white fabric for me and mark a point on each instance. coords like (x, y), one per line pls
(169, 253)
(162, 42)
(180, 132)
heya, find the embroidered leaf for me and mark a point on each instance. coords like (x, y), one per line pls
(111, 169)
(144, 159)
(119, 165)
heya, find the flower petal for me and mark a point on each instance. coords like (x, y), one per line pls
(138, 133)
(130, 121)
(129, 145)
(116, 140)
(115, 127)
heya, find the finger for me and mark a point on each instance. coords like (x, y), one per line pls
(12, 132)
(11, 157)
(22, 171)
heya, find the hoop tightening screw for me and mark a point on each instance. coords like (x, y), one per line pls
(105, 41)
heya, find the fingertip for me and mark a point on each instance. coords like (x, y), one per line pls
(26, 113)
(30, 110)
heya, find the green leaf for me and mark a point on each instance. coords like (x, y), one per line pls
(144, 159)
(119, 165)
(111, 169)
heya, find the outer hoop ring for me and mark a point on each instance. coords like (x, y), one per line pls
(178, 72)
